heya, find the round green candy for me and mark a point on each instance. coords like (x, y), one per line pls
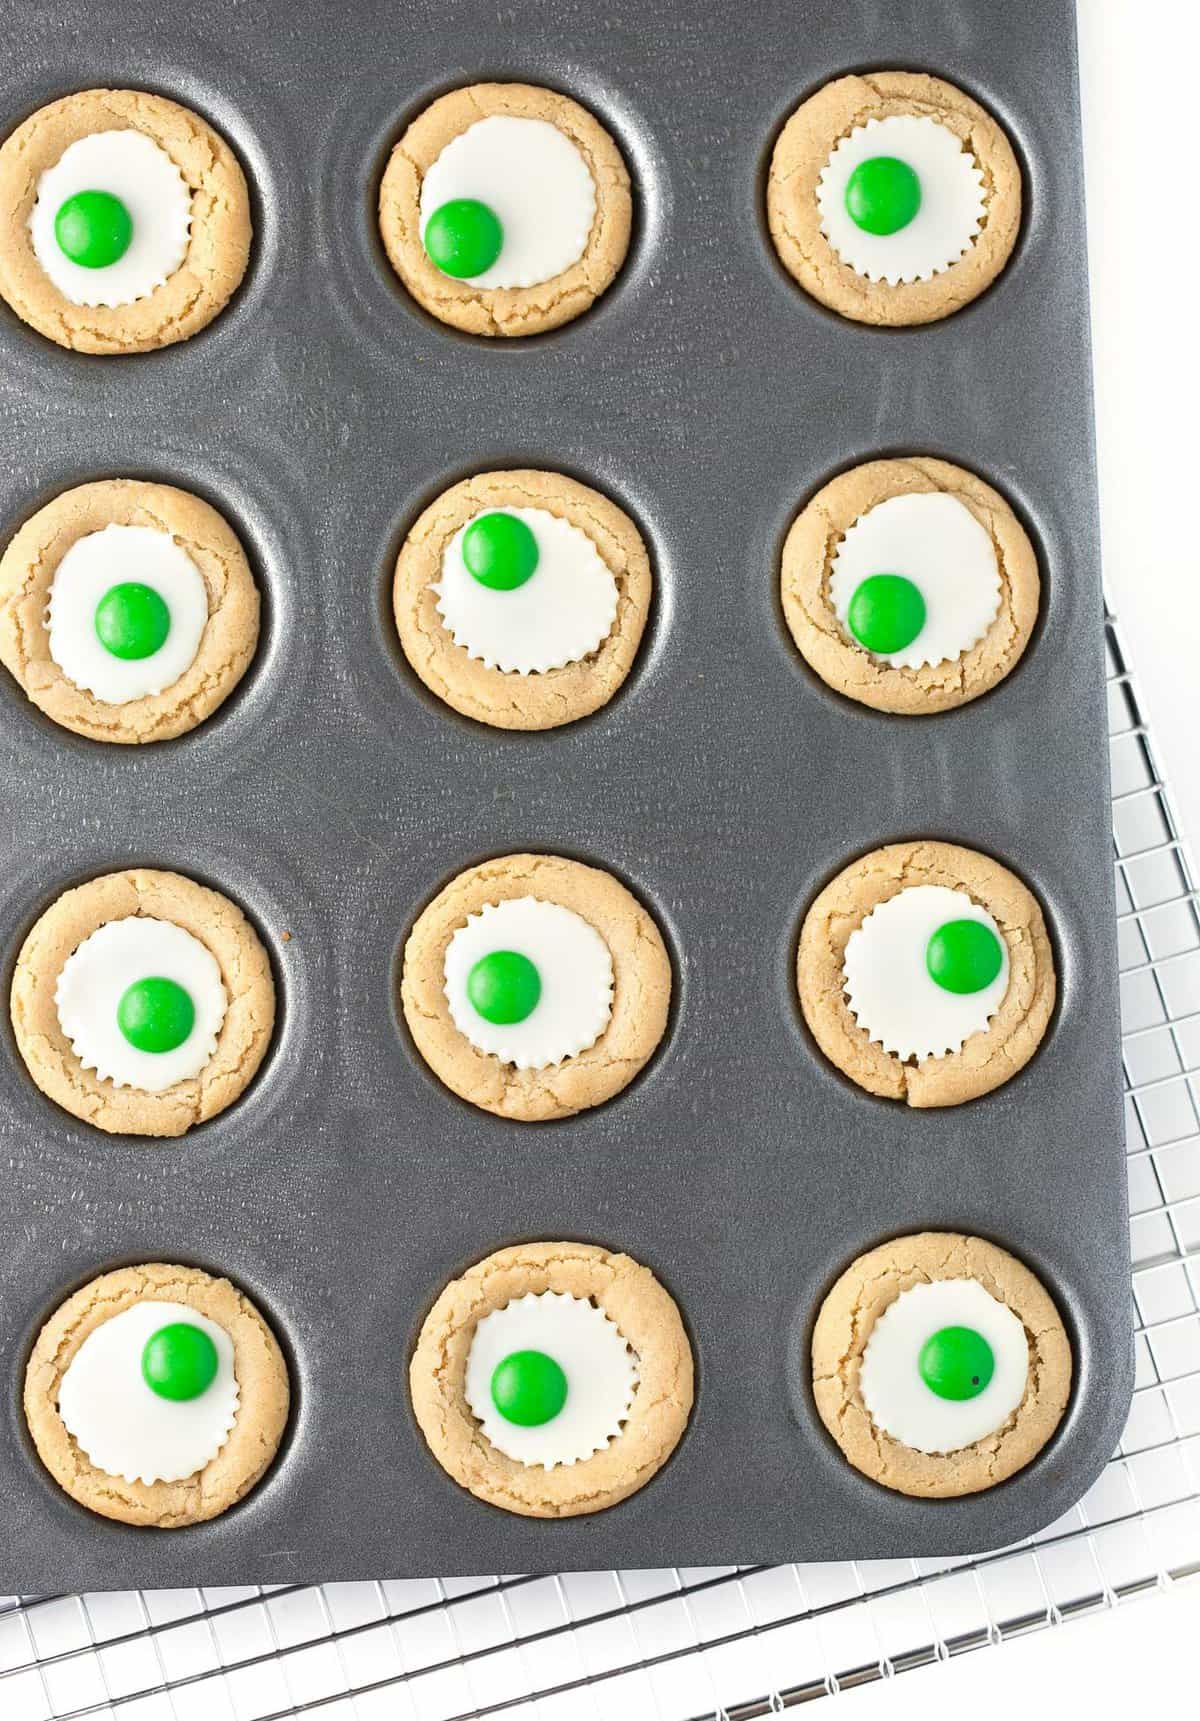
(956, 1363)
(156, 1015)
(504, 987)
(886, 612)
(93, 229)
(179, 1361)
(132, 620)
(964, 956)
(882, 195)
(463, 237)
(528, 1388)
(500, 551)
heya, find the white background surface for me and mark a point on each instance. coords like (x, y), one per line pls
(1137, 58)
(1136, 61)
(1139, 1663)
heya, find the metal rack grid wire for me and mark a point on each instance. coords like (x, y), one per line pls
(731, 1643)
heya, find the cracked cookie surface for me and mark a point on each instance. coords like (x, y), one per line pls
(805, 145)
(868, 1287)
(646, 1316)
(245, 973)
(218, 245)
(987, 1059)
(509, 701)
(262, 1379)
(227, 645)
(845, 665)
(641, 993)
(504, 310)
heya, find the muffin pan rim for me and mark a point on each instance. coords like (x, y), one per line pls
(619, 857)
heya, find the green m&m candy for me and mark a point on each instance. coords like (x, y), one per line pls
(463, 237)
(956, 1363)
(132, 620)
(504, 987)
(179, 1361)
(882, 195)
(885, 613)
(500, 551)
(93, 229)
(528, 1388)
(964, 956)
(156, 1015)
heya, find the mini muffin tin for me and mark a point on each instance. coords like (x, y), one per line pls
(332, 796)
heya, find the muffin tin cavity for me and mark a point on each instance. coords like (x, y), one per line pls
(520, 598)
(604, 1374)
(287, 674)
(359, 153)
(940, 1365)
(124, 220)
(580, 1029)
(1027, 544)
(128, 611)
(893, 197)
(909, 585)
(95, 1002)
(384, 689)
(114, 1130)
(210, 1371)
(506, 209)
(925, 973)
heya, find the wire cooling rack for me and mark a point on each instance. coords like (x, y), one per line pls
(730, 1642)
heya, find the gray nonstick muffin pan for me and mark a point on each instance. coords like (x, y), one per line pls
(332, 796)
